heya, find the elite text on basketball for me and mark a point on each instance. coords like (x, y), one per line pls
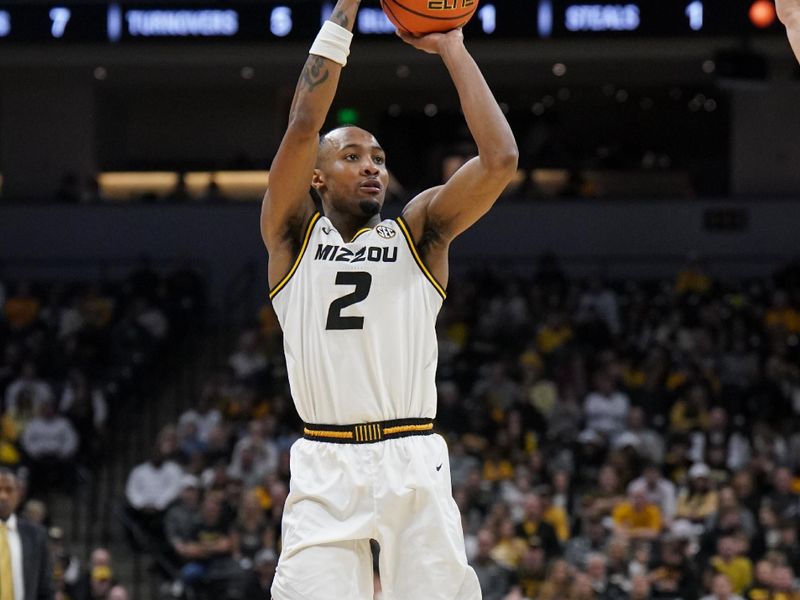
(449, 4)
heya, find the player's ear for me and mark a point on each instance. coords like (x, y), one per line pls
(317, 180)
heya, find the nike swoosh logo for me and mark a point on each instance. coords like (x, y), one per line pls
(326, 230)
(439, 467)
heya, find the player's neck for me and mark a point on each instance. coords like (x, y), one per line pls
(349, 225)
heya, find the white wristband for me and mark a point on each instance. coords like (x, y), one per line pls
(333, 42)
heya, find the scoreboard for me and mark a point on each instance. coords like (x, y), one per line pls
(121, 22)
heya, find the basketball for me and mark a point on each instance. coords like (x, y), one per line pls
(420, 17)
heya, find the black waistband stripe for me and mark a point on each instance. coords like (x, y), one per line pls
(367, 433)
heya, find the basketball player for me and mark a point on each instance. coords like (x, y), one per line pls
(789, 13)
(357, 298)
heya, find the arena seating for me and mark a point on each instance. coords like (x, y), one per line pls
(625, 439)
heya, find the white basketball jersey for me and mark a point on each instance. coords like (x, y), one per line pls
(359, 321)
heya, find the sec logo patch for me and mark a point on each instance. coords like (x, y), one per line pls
(385, 232)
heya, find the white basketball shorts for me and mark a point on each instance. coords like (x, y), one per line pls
(397, 492)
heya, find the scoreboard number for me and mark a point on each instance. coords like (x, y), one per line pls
(695, 12)
(59, 17)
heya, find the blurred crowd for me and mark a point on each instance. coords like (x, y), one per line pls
(71, 356)
(608, 441)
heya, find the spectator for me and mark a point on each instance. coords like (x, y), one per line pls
(205, 417)
(151, 488)
(735, 447)
(558, 582)
(783, 500)
(248, 362)
(762, 582)
(86, 408)
(698, 500)
(532, 571)
(249, 534)
(39, 391)
(66, 566)
(606, 408)
(637, 518)
(784, 586)
(50, 442)
(250, 464)
(673, 576)
(180, 519)
(509, 548)
(659, 490)
(603, 588)
(118, 592)
(721, 589)
(592, 540)
(608, 494)
(787, 543)
(731, 516)
(208, 551)
(648, 443)
(98, 579)
(259, 581)
(254, 455)
(640, 588)
(27, 573)
(599, 299)
(554, 514)
(731, 563)
(495, 580)
(535, 529)
(9, 434)
(582, 588)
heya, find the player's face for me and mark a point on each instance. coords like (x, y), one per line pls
(351, 173)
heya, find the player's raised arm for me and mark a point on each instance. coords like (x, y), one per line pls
(789, 13)
(287, 203)
(446, 211)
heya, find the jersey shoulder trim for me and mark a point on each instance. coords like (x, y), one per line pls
(360, 232)
(413, 247)
(309, 228)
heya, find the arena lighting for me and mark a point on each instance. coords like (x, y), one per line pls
(131, 185)
(126, 185)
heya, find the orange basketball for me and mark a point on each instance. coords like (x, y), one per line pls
(419, 17)
(763, 13)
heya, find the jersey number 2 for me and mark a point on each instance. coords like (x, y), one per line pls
(363, 282)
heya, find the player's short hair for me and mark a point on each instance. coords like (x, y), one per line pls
(325, 141)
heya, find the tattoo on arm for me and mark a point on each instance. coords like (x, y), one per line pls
(340, 18)
(315, 74)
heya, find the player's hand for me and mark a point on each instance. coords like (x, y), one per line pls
(433, 43)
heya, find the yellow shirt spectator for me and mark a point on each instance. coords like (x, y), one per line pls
(697, 507)
(738, 570)
(557, 517)
(637, 517)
